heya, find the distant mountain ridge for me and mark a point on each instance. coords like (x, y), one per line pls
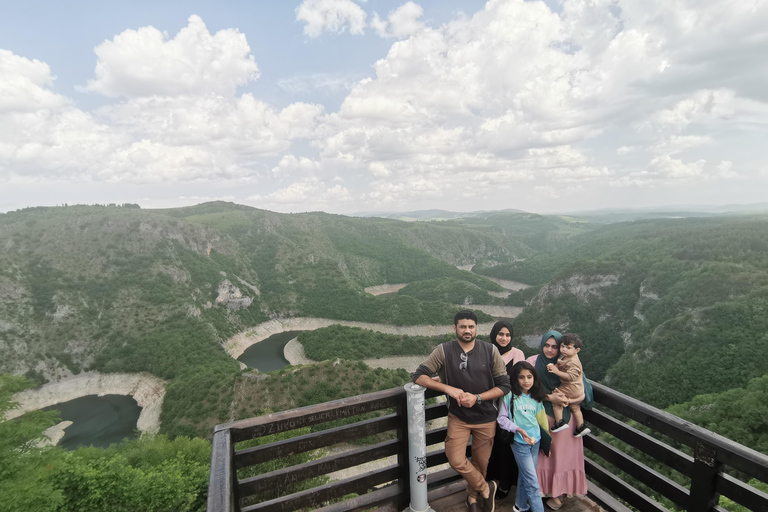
(604, 215)
(433, 215)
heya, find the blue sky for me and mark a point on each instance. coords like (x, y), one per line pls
(348, 106)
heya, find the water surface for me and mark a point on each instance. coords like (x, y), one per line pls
(267, 355)
(98, 420)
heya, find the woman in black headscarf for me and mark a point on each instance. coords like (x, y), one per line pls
(502, 466)
(563, 472)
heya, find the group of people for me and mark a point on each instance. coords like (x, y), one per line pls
(512, 408)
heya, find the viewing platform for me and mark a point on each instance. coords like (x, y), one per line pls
(705, 465)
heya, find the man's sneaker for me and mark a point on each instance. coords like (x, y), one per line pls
(581, 430)
(515, 508)
(489, 503)
(473, 507)
(559, 425)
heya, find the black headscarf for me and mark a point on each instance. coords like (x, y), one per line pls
(550, 380)
(495, 331)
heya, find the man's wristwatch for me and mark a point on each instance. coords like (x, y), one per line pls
(479, 400)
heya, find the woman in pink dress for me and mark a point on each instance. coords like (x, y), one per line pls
(563, 472)
(501, 465)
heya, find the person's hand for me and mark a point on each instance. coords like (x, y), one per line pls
(552, 368)
(528, 439)
(557, 397)
(455, 393)
(467, 399)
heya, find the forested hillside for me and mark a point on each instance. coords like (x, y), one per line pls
(155, 472)
(672, 311)
(659, 303)
(120, 289)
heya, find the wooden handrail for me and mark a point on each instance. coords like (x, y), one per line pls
(728, 452)
(711, 453)
(264, 453)
(284, 421)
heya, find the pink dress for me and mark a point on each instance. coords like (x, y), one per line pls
(563, 471)
(514, 354)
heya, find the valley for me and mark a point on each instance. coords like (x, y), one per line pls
(165, 305)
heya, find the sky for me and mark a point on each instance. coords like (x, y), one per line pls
(350, 106)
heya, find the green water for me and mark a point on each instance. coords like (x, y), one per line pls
(267, 355)
(98, 420)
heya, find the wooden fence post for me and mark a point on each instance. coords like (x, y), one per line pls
(704, 493)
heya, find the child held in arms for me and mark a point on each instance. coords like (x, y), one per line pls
(569, 369)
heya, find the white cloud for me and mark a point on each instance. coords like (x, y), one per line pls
(378, 170)
(546, 192)
(626, 150)
(700, 106)
(725, 170)
(324, 82)
(306, 194)
(678, 143)
(667, 167)
(470, 95)
(155, 134)
(663, 169)
(401, 23)
(291, 164)
(521, 90)
(242, 125)
(516, 97)
(42, 134)
(334, 16)
(145, 62)
(25, 85)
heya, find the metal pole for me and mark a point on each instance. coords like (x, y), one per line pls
(417, 448)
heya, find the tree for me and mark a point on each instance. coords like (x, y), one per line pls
(26, 465)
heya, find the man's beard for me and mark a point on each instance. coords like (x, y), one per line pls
(462, 340)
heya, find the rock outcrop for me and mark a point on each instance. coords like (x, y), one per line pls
(231, 296)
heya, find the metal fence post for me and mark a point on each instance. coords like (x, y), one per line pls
(417, 448)
(221, 482)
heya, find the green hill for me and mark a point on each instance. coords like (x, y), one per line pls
(654, 298)
(120, 289)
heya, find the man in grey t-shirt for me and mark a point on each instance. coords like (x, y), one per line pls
(473, 375)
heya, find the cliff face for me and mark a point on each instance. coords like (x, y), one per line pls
(146, 389)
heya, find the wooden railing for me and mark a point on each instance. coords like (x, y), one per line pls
(704, 470)
(388, 484)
